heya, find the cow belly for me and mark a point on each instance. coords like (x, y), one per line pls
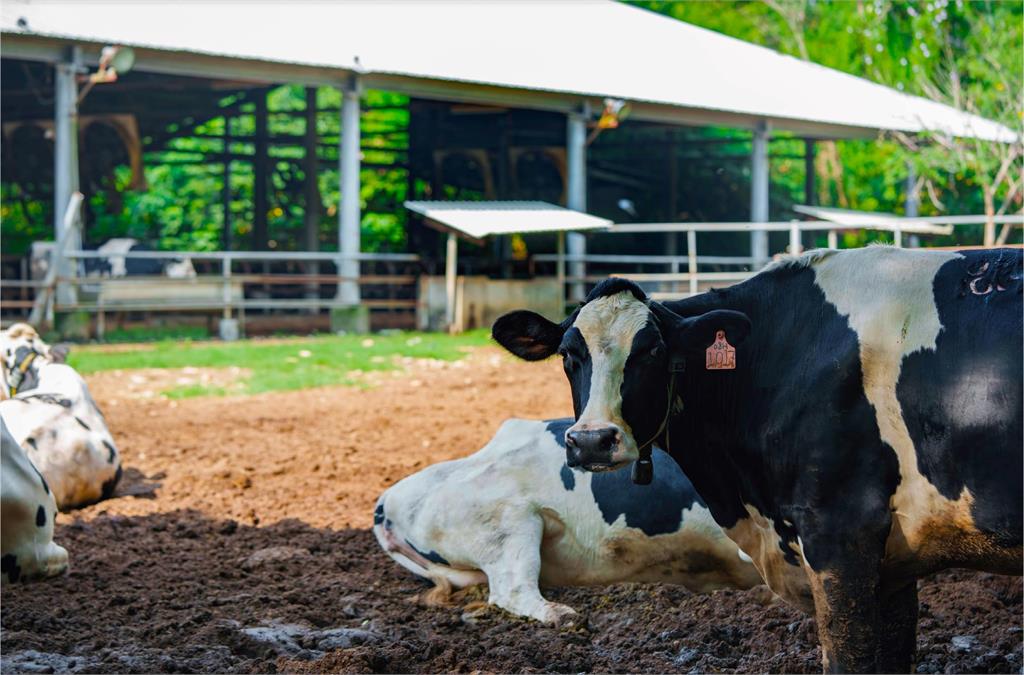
(756, 537)
(930, 533)
(701, 561)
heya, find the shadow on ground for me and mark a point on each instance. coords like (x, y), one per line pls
(179, 591)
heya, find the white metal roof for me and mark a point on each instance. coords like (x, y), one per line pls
(478, 220)
(486, 51)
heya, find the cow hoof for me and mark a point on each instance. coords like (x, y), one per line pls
(557, 614)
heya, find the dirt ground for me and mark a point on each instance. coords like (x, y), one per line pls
(238, 542)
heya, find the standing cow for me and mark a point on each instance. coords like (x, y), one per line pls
(27, 513)
(51, 414)
(865, 431)
(513, 514)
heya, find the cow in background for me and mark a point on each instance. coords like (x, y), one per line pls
(514, 516)
(27, 514)
(50, 413)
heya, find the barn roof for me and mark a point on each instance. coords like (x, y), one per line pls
(549, 55)
(477, 220)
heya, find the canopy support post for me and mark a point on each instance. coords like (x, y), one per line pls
(65, 167)
(809, 176)
(311, 190)
(759, 193)
(560, 269)
(576, 195)
(349, 215)
(451, 261)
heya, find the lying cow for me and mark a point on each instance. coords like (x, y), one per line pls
(852, 418)
(27, 513)
(514, 514)
(51, 414)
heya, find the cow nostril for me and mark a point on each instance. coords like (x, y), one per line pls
(571, 441)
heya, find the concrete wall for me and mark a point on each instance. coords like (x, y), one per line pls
(480, 300)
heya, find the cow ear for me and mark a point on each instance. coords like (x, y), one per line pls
(528, 335)
(694, 334)
(59, 352)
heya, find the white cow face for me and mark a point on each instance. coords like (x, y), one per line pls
(22, 351)
(620, 350)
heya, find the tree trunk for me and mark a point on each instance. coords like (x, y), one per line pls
(990, 215)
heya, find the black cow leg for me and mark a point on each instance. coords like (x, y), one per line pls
(846, 609)
(898, 639)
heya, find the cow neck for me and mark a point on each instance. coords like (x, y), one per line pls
(710, 427)
(17, 375)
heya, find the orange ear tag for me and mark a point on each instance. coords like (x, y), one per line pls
(720, 355)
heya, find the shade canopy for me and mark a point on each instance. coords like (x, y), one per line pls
(544, 55)
(479, 220)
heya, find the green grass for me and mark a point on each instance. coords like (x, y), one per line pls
(280, 365)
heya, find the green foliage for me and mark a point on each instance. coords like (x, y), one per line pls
(966, 54)
(277, 365)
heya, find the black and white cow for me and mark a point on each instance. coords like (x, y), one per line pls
(116, 264)
(27, 513)
(866, 431)
(47, 407)
(514, 515)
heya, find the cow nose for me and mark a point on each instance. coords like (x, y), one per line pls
(572, 450)
(588, 441)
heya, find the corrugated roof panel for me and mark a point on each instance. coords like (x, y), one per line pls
(479, 220)
(595, 48)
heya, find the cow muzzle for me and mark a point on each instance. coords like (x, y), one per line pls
(597, 448)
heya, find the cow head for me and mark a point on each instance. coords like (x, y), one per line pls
(22, 351)
(620, 351)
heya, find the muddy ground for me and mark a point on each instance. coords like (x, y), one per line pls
(239, 543)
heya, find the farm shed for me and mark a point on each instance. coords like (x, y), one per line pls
(503, 99)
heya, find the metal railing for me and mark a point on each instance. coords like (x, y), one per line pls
(239, 291)
(695, 279)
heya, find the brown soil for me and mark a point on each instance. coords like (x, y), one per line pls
(238, 543)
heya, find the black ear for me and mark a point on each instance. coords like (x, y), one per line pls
(694, 334)
(528, 335)
(59, 352)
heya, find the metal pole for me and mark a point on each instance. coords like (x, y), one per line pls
(833, 239)
(691, 255)
(226, 192)
(260, 233)
(311, 190)
(560, 269)
(450, 274)
(349, 213)
(65, 180)
(809, 176)
(576, 194)
(794, 238)
(759, 193)
(911, 200)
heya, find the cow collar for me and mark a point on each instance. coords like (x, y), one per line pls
(16, 376)
(643, 467)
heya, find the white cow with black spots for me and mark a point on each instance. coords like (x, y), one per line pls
(27, 512)
(514, 516)
(52, 416)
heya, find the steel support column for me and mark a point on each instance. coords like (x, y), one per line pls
(759, 193)
(349, 212)
(576, 194)
(311, 193)
(65, 166)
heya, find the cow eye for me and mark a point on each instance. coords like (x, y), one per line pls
(656, 351)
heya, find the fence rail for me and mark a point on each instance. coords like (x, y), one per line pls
(225, 289)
